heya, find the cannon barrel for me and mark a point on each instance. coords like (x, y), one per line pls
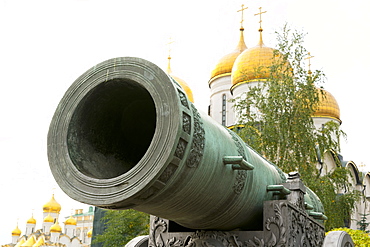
(125, 136)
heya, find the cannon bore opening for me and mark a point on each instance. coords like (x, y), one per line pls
(111, 128)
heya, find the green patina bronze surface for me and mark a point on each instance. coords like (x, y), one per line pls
(126, 136)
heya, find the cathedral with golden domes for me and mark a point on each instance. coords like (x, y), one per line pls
(77, 230)
(234, 75)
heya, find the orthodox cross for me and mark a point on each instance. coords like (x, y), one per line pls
(260, 14)
(309, 62)
(242, 10)
(169, 71)
(169, 46)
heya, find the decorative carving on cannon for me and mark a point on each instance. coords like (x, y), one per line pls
(125, 136)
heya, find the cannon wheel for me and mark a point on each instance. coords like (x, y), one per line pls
(338, 239)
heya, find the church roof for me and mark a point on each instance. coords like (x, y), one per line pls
(31, 220)
(52, 206)
(70, 221)
(328, 106)
(16, 232)
(225, 64)
(180, 81)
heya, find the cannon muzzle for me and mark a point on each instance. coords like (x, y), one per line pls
(125, 136)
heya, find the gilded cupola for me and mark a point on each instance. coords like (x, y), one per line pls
(16, 232)
(226, 63)
(52, 206)
(48, 218)
(182, 83)
(89, 233)
(254, 63)
(31, 220)
(327, 106)
(56, 227)
(70, 221)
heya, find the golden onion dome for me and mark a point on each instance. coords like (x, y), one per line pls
(89, 233)
(184, 86)
(52, 206)
(182, 83)
(253, 64)
(56, 227)
(70, 221)
(16, 232)
(49, 219)
(225, 64)
(327, 106)
(31, 220)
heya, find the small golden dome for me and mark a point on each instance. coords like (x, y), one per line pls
(184, 86)
(52, 206)
(328, 106)
(225, 64)
(89, 233)
(16, 232)
(182, 83)
(56, 227)
(31, 220)
(70, 221)
(48, 218)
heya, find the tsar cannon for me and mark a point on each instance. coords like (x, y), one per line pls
(125, 136)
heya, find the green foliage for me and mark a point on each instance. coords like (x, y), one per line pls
(363, 223)
(122, 226)
(360, 238)
(277, 119)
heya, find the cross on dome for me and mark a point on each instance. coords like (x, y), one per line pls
(242, 10)
(169, 71)
(309, 62)
(260, 14)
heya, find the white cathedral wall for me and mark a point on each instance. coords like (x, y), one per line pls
(54, 215)
(219, 87)
(366, 199)
(353, 184)
(54, 237)
(240, 91)
(75, 243)
(30, 228)
(65, 240)
(70, 230)
(46, 227)
(320, 121)
(329, 163)
(15, 239)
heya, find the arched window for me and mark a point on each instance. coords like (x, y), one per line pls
(224, 109)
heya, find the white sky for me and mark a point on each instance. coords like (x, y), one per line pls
(46, 45)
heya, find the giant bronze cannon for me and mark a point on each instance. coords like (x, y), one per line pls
(125, 136)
